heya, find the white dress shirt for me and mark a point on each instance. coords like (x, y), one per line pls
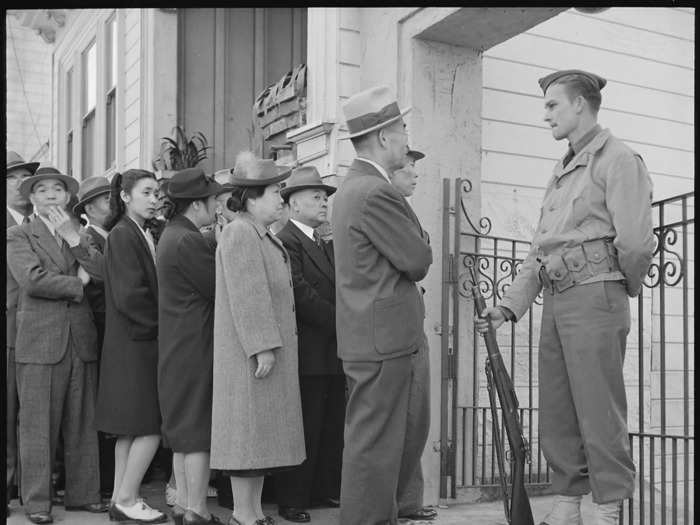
(17, 216)
(149, 238)
(307, 230)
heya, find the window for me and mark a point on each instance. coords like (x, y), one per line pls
(111, 92)
(89, 98)
(69, 122)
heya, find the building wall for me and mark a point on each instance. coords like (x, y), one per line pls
(28, 91)
(132, 89)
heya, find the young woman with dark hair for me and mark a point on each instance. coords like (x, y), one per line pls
(127, 399)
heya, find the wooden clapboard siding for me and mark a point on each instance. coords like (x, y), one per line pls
(646, 54)
(227, 57)
(132, 90)
(350, 77)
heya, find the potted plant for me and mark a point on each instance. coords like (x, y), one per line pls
(180, 152)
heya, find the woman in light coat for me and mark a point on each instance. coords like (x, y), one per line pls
(256, 412)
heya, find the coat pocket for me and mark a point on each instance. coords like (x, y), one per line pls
(397, 323)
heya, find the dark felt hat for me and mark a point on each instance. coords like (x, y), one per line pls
(89, 189)
(191, 183)
(47, 172)
(305, 178)
(546, 81)
(14, 162)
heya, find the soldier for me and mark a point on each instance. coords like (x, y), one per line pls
(592, 247)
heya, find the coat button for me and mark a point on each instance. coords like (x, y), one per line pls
(543, 230)
(557, 274)
(552, 207)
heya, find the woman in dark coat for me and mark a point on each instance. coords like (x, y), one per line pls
(186, 278)
(127, 398)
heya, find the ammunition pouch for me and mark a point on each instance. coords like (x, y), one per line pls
(574, 265)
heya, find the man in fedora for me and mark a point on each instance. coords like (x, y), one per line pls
(381, 252)
(93, 202)
(590, 252)
(321, 381)
(18, 211)
(55, 349)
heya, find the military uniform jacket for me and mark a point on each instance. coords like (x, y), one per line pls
(314, 300)
(52, 305)
(380, 253)
(603, 192)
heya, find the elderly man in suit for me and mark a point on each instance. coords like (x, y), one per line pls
(55, 349)
(321, 380)
(18, 210)
(381, 252)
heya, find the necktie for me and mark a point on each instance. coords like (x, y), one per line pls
(318, 240)
(569, 155)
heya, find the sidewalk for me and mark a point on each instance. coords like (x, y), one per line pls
(466, 514)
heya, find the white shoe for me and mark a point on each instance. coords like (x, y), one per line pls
(607, 513)
(170, 495)
(565, 511)
(212, 492)
(140, 512)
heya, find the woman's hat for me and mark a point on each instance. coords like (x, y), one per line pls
(305, 178)
(14, 162)
(89, 189)
(43, 173)
(370, 110)
(191, 183)
(252, 171)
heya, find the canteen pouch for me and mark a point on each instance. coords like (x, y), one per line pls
(558, 273)
(601, 256)
(575, 261)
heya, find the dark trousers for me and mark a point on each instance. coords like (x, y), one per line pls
(385, 433)
(318, 477)
(583, 406)
(105, 442)
(12, 409)
(57, 399)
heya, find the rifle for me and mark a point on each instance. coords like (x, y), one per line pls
(517, 504)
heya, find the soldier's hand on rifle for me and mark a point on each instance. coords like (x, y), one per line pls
(495, 314)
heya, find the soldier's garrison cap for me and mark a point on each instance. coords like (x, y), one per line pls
(545, 82)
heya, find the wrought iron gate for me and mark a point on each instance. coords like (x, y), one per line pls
(659, 369)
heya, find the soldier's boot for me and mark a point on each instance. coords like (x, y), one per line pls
(565, 511)
(607, 513)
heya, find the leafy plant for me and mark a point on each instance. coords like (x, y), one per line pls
(181, 151)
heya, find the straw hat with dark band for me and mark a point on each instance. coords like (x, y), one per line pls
(370, 110)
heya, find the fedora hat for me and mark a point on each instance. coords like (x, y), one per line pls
(191, 183)
(370, 110)
(415, 154)
(14, 161)
(305, 178)
(89, 189)
(252, 171)
(43, 173)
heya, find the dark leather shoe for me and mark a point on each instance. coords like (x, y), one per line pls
(192, 518)
(424, 514)
(57, 499)
(334, 503)
(294, 514)
(40, 517)
(90, 507)
(178, 514)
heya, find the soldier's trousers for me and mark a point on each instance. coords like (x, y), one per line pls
(583, 406)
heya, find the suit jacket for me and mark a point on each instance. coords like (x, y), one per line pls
(380, 253)
(313, 276)
(95, 290)
(52, 305)
(12, 297)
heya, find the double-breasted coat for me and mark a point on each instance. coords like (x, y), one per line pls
(127, 398)
(256, 423)
(186, 278)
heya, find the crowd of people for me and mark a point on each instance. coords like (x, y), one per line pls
(145, 313)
